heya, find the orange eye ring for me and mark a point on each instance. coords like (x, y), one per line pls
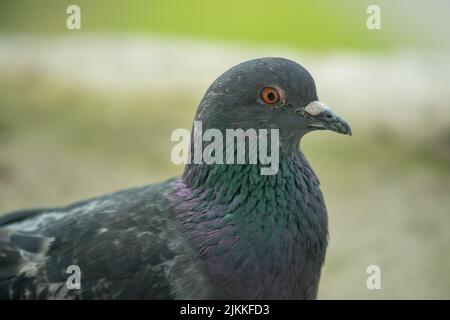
(270, 95)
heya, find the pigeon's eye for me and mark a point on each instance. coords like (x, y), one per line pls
(270, 95)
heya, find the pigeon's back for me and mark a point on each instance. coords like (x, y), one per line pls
(104, 248)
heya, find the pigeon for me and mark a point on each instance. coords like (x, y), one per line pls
(218, 231)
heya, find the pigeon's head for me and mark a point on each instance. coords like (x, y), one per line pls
(268, 93)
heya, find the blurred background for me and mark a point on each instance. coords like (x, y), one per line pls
(85, 112)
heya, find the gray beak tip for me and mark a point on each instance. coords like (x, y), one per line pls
(324, 118)
(347, 130)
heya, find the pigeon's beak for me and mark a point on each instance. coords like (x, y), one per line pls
(322, 118)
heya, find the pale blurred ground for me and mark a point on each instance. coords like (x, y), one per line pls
(81, 116)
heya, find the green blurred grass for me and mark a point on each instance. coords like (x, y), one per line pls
(317, 25)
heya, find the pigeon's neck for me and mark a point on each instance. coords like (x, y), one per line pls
(259, 226)
(241, 191)
(228, 178)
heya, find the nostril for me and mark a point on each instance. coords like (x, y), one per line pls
(328, 116)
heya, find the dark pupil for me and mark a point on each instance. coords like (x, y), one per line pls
(271, 96)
